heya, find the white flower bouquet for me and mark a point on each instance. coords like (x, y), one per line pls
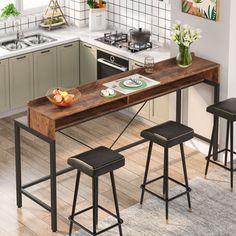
(184, 36)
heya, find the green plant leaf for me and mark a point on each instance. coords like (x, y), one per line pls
(185, 6)
(10, 10)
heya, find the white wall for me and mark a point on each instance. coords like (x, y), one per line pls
(232, 52)
(214, 46)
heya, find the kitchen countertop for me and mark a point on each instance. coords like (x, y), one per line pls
(73, 33)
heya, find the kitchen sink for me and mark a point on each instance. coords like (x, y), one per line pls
(13, 45)
(28, 41)
(37, 39)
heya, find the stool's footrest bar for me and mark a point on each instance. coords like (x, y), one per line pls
(143, 186)
(154, 194)
(101, 231)
(180, 195)
(153, 180)
(221, 165)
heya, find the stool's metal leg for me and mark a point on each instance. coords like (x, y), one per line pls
(227, 143)
(96, 195)
(116, 201)
(231, 155)
(166, 175)
(146, 171)
(74, 201)
(18, 166)
(215, 139)
(210, 148)
(53, 185)
(185, 174)
(95, 204)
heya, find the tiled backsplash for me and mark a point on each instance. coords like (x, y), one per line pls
(153, 15)
(26, 22)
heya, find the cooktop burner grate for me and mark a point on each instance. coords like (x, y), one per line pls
(120, 40)
(137, 47)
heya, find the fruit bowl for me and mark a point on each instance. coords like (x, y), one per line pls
(63, 97)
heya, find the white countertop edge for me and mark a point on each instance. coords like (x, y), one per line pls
(72, 33)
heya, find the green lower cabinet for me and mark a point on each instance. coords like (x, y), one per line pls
(88, 63)
(45, 71)
(21, 80)
(68, 65)
(4, 87)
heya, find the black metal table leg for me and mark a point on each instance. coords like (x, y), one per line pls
(53, 185)
(216, 120)
(18, 166)
(178, 105)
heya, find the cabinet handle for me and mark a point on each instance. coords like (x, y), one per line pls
(67, 46)
(87, 46)
(138, 65)
(45, 51)
(19, 58)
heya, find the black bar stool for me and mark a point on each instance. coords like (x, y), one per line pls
(167, 135)
(95, 163)
(227, 110)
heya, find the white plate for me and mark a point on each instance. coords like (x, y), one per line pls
(131, 84)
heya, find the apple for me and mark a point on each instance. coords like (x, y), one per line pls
(69, 99)
(56, 91)
(58, 98)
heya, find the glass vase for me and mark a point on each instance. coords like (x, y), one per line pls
(184, 57)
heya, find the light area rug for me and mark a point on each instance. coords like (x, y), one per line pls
(213, 205)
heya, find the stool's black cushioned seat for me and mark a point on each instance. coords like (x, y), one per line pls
(225, 109)
(168, 134)
(98, 161)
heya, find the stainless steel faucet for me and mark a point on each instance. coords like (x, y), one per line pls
(19, 32)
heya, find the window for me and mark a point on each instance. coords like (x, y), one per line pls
(26, 6)
(32, 5)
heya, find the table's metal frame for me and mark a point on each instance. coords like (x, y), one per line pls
(21, 189)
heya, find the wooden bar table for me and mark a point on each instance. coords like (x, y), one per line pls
(45, 119)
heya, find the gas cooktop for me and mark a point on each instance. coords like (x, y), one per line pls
(120, 40)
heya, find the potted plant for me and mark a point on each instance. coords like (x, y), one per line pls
(97, 15)
(184, 36)
(10, 10)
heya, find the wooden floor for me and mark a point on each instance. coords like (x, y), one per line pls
(32, 219)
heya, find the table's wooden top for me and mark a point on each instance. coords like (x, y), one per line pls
(47, 118)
